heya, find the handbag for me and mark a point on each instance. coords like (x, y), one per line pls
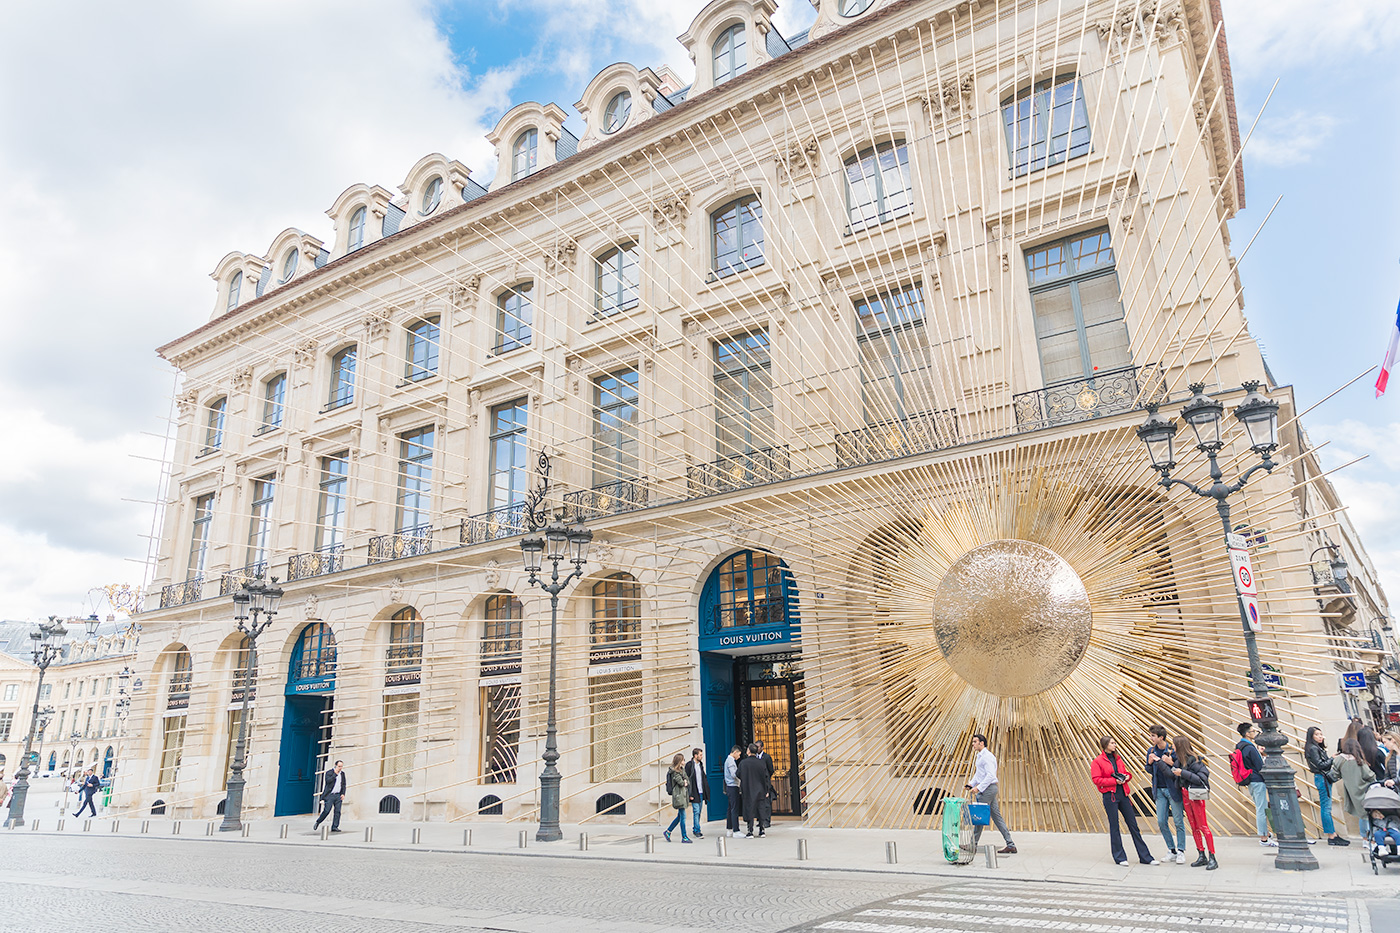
(1198, 793)
(979, 814)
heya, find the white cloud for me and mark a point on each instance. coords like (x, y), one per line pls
(1368, 489)
(1271, 36)
(1289, 139)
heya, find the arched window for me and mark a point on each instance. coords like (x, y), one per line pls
(490, 805)
(877, 185)
(514, 316)
(501, 636)
(737, 235)
(274, 399)
(753, 590)
(1046, 124)
(342, 378)
(214, 423)
(235, 285)
(389, 804)
(731, 54)
(289, 264)
(612, 804)
(405, 640)
(53, 761)
(617, 610)
(314, 657)
(181, 673)
(524, 154)
(615, 280)
(432, 196)
(854, 8)
(357, 228)
(617, 112)
(422, 356)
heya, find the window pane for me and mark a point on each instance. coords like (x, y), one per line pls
(1091, 252)
(415, 481)
(509, 466)
(1054, 311)
(513, 319)
(1046, 125)
(1060, 358)
(1047, 263)
(615, 438)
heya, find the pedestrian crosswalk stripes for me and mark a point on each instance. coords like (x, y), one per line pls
(1068, 908)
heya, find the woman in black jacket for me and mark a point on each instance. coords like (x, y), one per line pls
(1193, 777)
(1319, 763)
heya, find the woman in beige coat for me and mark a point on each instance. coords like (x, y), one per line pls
(1351, 769)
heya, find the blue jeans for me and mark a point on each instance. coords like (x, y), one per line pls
(1169, 803)
(678, 821)
(695, 806)
(1260, 793)
(1324, 802)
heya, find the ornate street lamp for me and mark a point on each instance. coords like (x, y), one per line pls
(560, 543)
(255, 600)
(48, 645)
(1259, 417)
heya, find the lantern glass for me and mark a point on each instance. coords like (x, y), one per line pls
(1259, 415)
(257, 592)
(579, 538)
(1203, 413)
(556, 537)
(241, 601)
(1157, 434)
(91, 623)
(274, 597)
(532, 549)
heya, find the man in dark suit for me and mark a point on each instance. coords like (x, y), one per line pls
(699, 787)
(753, 787)
(332, 795)
(765, 806)
(91, 785)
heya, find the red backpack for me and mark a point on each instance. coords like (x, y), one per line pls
(1238, 771)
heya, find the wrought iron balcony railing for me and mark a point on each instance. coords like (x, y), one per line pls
(329, 559)
(180, 594)
(759, 612)
(231, 581)
(1082, 399)
(507, 521)
(607, 499)
(915, 434)
(410, 542)
(740, 471)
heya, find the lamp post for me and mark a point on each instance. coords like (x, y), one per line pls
(75, 738)
(123, 706)
(256, 599)
(1259, 417)
(45, 717)
(48, 644)
(559, 543)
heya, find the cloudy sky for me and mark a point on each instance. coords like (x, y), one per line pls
(140, 142)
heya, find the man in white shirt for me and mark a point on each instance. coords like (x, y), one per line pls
(332, 795)
(731, 790)
(984, 785)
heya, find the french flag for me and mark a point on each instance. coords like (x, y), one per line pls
(1389, 363)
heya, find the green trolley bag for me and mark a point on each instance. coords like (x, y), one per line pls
(957, 832)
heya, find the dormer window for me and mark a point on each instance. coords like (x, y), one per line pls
(289, 264)
(357, 228)
(524, 154)
(432, 196)
(235, 285)
(617, 112)
(731, 53)
(854, 7)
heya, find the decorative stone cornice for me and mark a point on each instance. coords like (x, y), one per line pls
(561, 257)
(305, 353)
(1139, 22)
(242, 378)
(951, 99)
(671, 209)
(799, 157)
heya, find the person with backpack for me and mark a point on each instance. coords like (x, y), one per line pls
(678, 787)
(1193, 777)
(1245, 765)
(1319, 763)
(1111, 778)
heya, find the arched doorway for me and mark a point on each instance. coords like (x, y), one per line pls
(108, 758)
(751, 672)
(306, 719)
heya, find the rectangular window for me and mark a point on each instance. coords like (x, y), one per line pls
(743, 394)
(330, 510)
(7, 721)
(615, 704)
(62, 720)
(615, 279)
(615, 431)
(231, 748)
(878, 186)
(342, 379)
(11, 691)
(172, 746)
(1046, 125)
(107, 688)
(46, 692)
(896, 361)
(199, 537)
(101, 720)
(514, 315)
(87, 723)
(274, 397)
(500, 733)
(1079, 324)
(509, 459)
(400, 740)
(260, 524)
(415, 481)
(214, 425)
(80, 688)
(422, 356)
(68, 689)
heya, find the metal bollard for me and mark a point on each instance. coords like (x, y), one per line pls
(325, 832)
(369, 834)
(991, 852)
(87, 826)
(175, 830)
(466, 837)
(721, 846)
(145, 826)
(208, 829)
(247, 830)
(649, 843)
(524, 838)
(282, 834)
(891, 853)
(583, 842)
(417, 835)
(33, 824)
(116, 825)
(9, 824)
(60, 825)
(802, 850)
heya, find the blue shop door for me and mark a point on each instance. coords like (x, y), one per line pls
(305, 736)
(717, 723)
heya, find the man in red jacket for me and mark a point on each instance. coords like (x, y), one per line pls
(1111, 778)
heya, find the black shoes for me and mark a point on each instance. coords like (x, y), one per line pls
(1200, 860)
(1338, 841)
(1211, 863)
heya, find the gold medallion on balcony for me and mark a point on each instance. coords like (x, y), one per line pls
(1012, 618)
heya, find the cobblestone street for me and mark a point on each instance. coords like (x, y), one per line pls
(117, 883)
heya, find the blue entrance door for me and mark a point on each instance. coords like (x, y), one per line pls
(306, 720)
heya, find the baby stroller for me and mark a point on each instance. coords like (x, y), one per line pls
(1382, 805)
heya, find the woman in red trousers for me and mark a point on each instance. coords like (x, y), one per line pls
(1193, 777)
